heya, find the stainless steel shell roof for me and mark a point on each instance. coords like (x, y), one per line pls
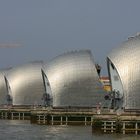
(126, 60)
(26, 84)
(3, 89)
(74, 80)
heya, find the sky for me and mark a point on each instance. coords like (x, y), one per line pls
(33, 30)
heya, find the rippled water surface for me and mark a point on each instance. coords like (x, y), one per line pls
(23, 130)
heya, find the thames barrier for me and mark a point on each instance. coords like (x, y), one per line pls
(69, 90)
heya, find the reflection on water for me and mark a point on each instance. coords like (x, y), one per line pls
(23, 130)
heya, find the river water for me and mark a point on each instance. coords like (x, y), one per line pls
(23, 130)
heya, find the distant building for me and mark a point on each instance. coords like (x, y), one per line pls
(106, 83)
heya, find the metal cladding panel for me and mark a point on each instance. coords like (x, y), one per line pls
(3, 90)
(126, 60)
(26, 84)
(74, 81)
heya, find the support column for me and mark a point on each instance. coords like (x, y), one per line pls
(44, 119)
(136, 127)
(85, 120)
(104, 126)
(91, 120)
(23, 117)
(61, 120)
(2, 115)
(123, 127)
(52, 120)
(5, 115)
(112, 126)
(66, 120)
(12, 115)
(19, 116)
(39, 119)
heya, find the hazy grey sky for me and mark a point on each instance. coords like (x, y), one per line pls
(46, 28)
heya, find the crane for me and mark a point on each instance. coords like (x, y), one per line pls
(10, 45)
